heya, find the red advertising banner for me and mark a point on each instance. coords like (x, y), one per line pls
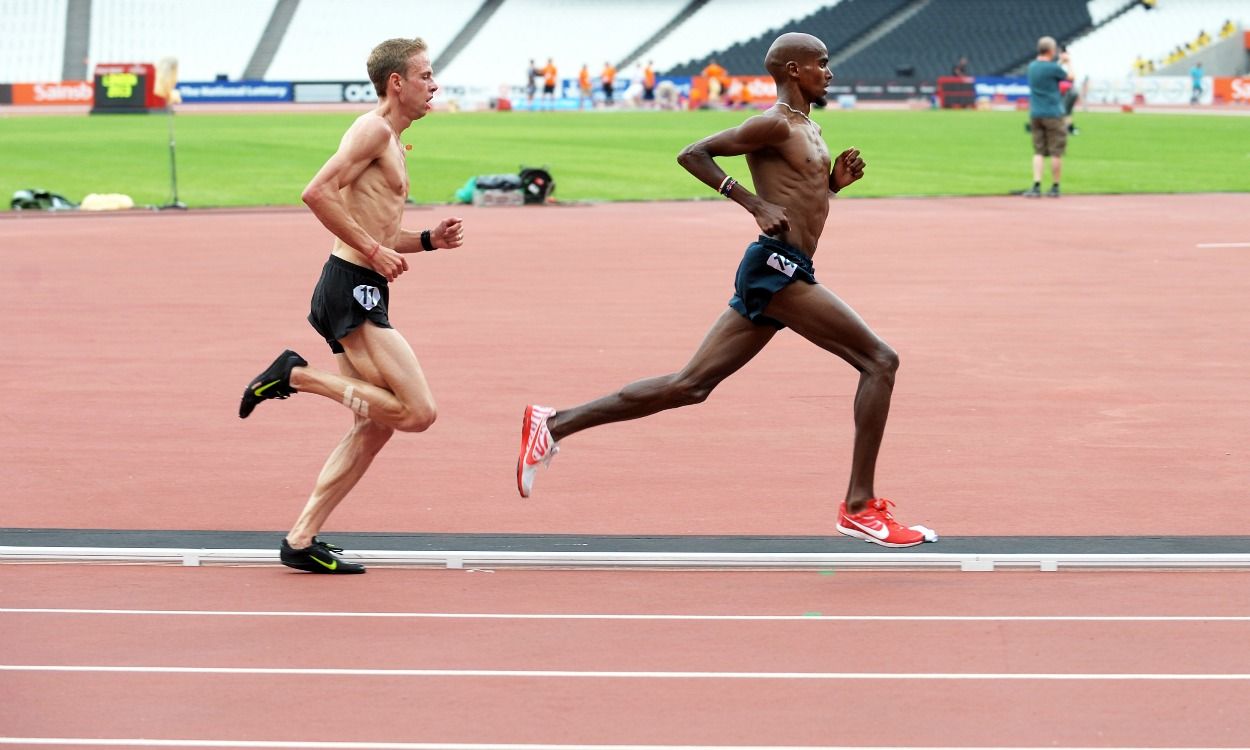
(63, 92)
(1235, 90)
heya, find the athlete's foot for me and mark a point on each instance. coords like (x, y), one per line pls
(274, 382)
(537, 446)
(876, 524)
(318, 557)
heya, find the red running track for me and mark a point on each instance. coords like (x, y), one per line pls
(1009, 659)
(1084, 378)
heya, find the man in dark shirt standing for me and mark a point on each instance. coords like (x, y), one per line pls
(1050, 137)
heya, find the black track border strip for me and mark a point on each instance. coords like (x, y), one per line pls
(637, 543)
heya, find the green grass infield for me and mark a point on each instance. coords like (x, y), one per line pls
(265, 159)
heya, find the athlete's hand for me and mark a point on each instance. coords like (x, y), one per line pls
(771, 218)
(388, 262)
(847, 168)
(449, 233)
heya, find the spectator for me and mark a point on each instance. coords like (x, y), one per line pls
(549, 84)
(1228, 29)
(584, 93)
(648, 85)
(1196, 75)
(1050, 138)
(717, 80)
(531, 85)
(1070, 97)
(960, 68)
(609, 81)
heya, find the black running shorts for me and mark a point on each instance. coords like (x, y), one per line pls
(768, 266)
(346, 296)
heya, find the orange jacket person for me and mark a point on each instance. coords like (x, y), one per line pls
(609, 77)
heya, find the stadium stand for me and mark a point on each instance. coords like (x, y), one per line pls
(720, 24)
(1109, 52)
(837, 26)
(570, 31)
(995, 35)
(32, 40)
(209, 39)
(330, 40)
(1101, 10)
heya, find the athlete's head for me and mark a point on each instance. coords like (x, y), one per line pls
(802, 60)
(392, 57)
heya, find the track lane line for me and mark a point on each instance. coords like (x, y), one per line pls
(621, 674)
(329, 745)
(607, 616)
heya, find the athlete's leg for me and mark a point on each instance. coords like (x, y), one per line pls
(730, 344)
(343, 469)
(816, 314)
(391, 388)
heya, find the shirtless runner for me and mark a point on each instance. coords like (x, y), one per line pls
(359, 195)
(775, 288)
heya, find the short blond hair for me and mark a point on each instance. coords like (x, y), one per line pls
(389, 57)
(1046, 44)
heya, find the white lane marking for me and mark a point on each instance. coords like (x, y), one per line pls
(1223, 244)
(642, 675)
(325, 745)
(608, 616)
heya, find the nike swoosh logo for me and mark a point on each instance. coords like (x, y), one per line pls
(880, 533)
(261, 390)
(328, 566)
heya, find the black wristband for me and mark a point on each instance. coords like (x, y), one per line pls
(425, 241)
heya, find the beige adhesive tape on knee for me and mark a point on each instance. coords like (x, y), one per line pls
(358, 405)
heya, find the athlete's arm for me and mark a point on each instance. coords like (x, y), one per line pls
(365, 141)
(449, 233)
(756, 133)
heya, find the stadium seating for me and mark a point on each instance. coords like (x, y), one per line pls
(1109, 52)
(836, 25)
(570, 31)
(995, 35)
(331, 40)
(720, 23)
(33, 41)
(209, 39)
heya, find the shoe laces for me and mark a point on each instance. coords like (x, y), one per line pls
(328, 545)
(551, 452)
(882, 507)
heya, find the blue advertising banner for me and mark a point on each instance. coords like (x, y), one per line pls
(234, 91)
(1010, 89)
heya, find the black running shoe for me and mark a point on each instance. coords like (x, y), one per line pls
(1054, 192)
(317, 558)
(274, 382)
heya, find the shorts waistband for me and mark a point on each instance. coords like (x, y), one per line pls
(359, 270)
(790, 251)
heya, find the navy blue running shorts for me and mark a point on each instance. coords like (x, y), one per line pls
(768, 266)
(345, 297)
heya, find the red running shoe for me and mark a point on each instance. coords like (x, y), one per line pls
(876, 524)
(537, 447)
